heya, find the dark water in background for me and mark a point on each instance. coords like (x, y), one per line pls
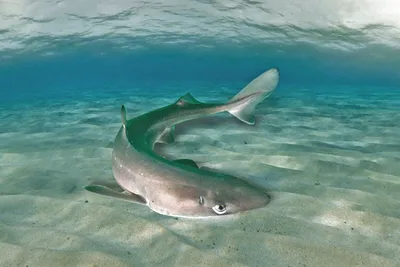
(69, 48)
(97, 67)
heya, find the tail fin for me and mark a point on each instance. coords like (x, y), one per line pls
(261, 87)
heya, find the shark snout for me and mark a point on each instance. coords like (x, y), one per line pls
(248, 198)
(256, 200)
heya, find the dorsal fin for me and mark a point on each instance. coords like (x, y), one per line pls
(187, 99)
(123, 115)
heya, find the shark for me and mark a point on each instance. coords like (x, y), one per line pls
(181, 188)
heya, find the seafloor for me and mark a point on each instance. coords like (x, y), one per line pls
(330, 158)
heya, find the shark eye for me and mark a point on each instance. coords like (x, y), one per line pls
(201, 200)
(219, 209)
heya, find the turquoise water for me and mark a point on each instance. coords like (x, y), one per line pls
(326, 145)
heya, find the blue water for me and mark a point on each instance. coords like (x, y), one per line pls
(326, 144)
(89, 69)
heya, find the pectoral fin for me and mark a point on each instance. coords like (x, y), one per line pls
(106, 191)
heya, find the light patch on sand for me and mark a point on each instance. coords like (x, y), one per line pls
(282, 162)
(359, 222)
(329, 219)
(342, 203)
(150, 232)
(383, 177)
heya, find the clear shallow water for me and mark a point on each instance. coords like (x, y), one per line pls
(329, 161)
(326, 143)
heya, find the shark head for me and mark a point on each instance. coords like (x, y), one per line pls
(218, 198)
(231, 199)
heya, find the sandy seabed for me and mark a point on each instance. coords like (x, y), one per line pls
(329, 161)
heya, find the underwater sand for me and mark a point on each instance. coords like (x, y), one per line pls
(330, 160)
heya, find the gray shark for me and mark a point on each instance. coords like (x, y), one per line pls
(180, 188)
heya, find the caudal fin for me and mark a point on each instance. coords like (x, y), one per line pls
(261, 87)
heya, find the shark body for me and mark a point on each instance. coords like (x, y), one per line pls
(180, 188)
